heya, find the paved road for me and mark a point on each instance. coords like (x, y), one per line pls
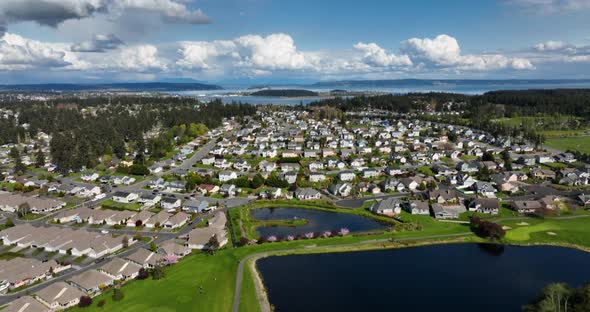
(266, 308)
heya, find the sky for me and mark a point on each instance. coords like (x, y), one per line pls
(275, 41)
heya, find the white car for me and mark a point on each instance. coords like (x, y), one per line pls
(4, 285)
(104, 232)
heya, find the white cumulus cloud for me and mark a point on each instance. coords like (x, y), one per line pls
(377, 56)
(444, 51)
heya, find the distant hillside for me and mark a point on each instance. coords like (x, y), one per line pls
(440, 82)
(132, 87)
(284, 93)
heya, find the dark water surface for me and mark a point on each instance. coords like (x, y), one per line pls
(318, 221)
(459, 277)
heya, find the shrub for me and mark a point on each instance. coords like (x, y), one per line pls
(100, 304)
(243, 241)
(158, 272)
(117, 294)
(486, 229)
(85, 301)
(142, 274)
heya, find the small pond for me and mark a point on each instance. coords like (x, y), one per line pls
(317, 221)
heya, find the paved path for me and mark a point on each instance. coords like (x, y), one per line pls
(259, 292)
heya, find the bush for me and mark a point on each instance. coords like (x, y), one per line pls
(243, 241)
(158, 272)
(142, 274)
(85, 301)
(117, 294)
(100, 304)
(486, 229)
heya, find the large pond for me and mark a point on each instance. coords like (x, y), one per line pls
(318, 221)
(459, 277)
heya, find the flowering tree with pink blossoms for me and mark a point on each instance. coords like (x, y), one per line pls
(170, 259)
(271, 239)
(327, 234)
(309, 235)
(290, 238)
(343, 232)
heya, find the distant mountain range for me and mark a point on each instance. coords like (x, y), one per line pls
(442, 82)
(131, 87)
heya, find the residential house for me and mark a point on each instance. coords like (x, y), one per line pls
(340, 189)
(484, 205)
(388, 207)
(416, 207)
(125, 197)
(307, 194)
(58, 296)
(177, 221)
(440, 211)
(120, 269)
(225, 176)
(92, 281)
(527, 206)
(170, 204)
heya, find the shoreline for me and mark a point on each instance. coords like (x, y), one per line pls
(462, 238)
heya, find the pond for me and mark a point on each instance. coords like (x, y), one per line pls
(457, 277)
(317, 221)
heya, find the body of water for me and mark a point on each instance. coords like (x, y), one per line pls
(234, 93)
(318, 221)
(457, 277)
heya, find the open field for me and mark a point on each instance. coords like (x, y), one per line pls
(578, 143)
(549, 231)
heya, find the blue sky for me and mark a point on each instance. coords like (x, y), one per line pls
(266, 40)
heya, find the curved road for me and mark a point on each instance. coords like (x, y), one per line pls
(240, 275)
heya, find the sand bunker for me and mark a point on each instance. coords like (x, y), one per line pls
(506, 228)
(551, 233)
(522, 223)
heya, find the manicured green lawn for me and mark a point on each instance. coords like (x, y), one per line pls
(248, 299)
(569, 231)
(579, 143)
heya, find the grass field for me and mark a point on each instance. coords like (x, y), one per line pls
(568, 231)
(580, 143)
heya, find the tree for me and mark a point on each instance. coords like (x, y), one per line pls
(138, 223)
(9, 223)
(213, 244)
(507, 160)
(153, 247)
(487, 156)
(142, 274)
(486, 229)
(85, 301)
(14, 153)
(554, 298)
(19, 167)
(23, 210)
(158, 272)
(257, 181)
(118, 294)
(40, 159)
